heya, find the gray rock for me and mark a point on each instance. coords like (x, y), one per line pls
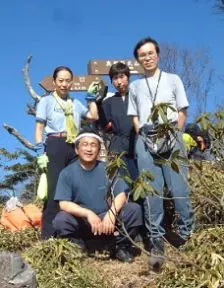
(15, 272)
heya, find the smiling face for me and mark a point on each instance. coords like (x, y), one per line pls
(63, 83)
(120, 82)
(148, 57)
(88, 149)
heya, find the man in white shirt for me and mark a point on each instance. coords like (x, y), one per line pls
(156, 87)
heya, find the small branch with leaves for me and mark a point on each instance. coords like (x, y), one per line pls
(141, 188)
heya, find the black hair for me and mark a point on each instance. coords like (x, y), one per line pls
(193, 129)
(143, 42)
(61, 68)
(119, 68)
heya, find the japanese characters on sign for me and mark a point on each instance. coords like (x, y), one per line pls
(102, 67)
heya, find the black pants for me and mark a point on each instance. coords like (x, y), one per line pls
(78, 229)
(60, 154)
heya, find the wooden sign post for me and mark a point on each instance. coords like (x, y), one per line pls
(96, 69)
(80, 83)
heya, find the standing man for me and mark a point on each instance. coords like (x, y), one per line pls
(115, 111)
(156, 87)
(82, 192)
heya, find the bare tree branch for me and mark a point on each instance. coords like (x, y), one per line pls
(220, 5)
(21, 139)
(33, 94)
(196, 71)
(31, 110)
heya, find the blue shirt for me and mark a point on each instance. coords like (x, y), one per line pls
(50, 112)
(87, 188)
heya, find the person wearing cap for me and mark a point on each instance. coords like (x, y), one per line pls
(115, 111)
(83, 195)
(200, 148)
(58, 118)
(145, 94)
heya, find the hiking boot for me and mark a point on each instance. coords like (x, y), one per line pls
(123, 255)
(175, 239)
(147, 244)
(134, 251)
(156, 258)
(183, 247)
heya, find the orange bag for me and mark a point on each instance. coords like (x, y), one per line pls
(6, 222)
(33, 213)
(21, 218)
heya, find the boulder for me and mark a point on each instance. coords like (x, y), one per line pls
(15, 272)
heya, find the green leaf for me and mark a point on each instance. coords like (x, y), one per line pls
(162, 115)
(148, 189)
(175, 154)
(127, 179)
(175, 166)
(147, 175)
(154, 114)
(160, 161)
(137, 193)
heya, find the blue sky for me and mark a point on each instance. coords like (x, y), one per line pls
(73, 32)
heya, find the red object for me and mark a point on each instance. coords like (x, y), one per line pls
(109, 125)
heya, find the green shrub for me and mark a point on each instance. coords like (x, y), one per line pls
(17, 241)
(207, 185)
(60, 264)
(202, 265)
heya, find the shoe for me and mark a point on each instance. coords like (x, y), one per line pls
(147, 243)
(175, 239)
(156, 258)
(79, 242)
(134, 251)
(183, 247)
(124, 255)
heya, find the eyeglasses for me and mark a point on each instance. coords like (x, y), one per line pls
(87, 144)
(146, 55)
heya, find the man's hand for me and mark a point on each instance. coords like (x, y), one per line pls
(95, 223)
(108, 223)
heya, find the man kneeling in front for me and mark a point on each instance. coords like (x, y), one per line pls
(82, 190)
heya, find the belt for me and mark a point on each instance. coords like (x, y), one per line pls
(59, 134)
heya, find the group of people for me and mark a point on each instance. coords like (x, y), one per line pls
(78, 206)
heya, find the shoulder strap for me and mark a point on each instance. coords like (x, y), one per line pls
(153, 97)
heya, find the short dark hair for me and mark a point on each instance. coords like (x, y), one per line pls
(119, 68)
(143, 42)
(61, 68)
(193, 129)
